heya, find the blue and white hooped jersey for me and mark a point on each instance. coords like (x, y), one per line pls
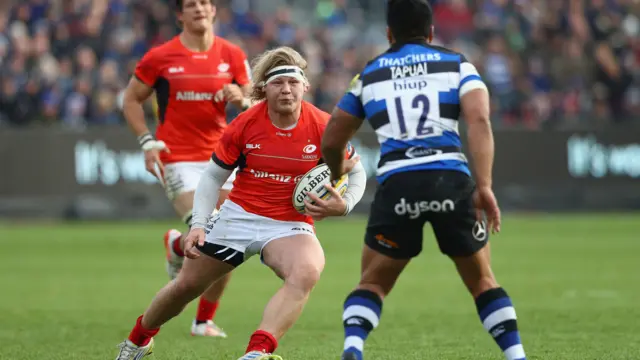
(411, 97)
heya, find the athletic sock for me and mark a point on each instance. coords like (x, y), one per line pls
(498, 317)
(175, 246)
(141, 336)
(206, 310)
(361, 315)
(262, 341)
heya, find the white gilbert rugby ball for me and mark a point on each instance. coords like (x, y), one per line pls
(313, 181)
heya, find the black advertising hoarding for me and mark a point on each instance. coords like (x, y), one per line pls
(51, 162)
(568, 170)
(613, 155)
(97, 173)
(565, 170)
(565, 158)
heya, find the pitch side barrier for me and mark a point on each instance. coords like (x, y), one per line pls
(100, 172)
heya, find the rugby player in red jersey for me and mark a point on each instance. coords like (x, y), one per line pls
(194, 76)
(279, 136)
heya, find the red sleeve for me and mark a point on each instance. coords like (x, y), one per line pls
(229, 149)
(240, 67)
(147, 69)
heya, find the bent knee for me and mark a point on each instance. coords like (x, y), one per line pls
(305, 277)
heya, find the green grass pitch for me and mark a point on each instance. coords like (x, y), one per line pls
(73, 291)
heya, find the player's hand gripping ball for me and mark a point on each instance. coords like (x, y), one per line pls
(314, 182)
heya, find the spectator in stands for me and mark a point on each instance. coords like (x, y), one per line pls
(549, 63)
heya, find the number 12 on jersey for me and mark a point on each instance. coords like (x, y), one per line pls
(413, 116)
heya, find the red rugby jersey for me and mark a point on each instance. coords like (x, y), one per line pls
(185, 82)
(271, 160)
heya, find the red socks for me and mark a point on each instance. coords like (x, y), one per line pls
(206, 310)
(262, 341)
(175, 245)
(141, 336)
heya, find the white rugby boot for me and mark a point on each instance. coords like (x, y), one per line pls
(131, 351)
(259, 355)
(174, 261)
(207, 329)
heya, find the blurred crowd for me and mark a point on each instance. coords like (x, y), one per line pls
(549, 63)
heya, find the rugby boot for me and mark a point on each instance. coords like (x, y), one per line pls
(207, 329)
(259, 355)
(131, 351)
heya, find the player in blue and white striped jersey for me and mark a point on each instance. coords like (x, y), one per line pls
(413, 95)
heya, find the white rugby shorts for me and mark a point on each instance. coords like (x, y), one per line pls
(182, 177)
(238, 234)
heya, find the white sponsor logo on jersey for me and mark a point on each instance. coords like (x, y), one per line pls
(308, 150)
(277, 177)
(409, 59)
(419, 151)
(194, 96)
(223, 67)
(409, 84)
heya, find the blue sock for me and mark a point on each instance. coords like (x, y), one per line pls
(362, 310)
(498, 317)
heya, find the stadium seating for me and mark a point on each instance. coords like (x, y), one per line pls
(65, 63)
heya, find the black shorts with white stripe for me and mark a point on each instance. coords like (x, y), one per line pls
(223, 253)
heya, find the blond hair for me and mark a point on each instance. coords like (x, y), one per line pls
(281, 56)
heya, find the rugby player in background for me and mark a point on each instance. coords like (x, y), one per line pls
(279, 136)
(412, 95)
(194, 76)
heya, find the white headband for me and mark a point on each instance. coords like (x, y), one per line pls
(290, 71)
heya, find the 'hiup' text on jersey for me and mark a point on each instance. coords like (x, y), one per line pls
(411, 97)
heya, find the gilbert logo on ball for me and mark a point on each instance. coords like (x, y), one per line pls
(313, 182)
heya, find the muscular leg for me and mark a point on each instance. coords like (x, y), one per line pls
(208, 304)
(299, 261)
(363, 307)
(494, 306)
(475, 271)
(379, 272)
(195, 276)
